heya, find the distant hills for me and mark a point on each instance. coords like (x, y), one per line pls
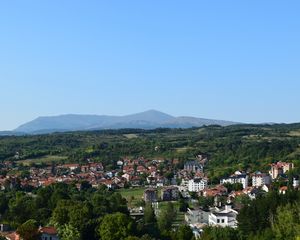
(145, 120)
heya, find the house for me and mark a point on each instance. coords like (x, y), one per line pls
(150, 195)
(13, 236)
(170, 194)
(280, 168)
(283, 190)
(219, 190)
(237, 177)
(193, 167)
(72, 167)
(259, 179)
(196, 216)
(223, 217)
(266, 188)
(198, 184)
(296, 182)
(4, 227)
(48, 233)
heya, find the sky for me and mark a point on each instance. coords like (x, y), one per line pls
(231, 60)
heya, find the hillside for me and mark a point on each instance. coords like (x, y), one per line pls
(233, 147)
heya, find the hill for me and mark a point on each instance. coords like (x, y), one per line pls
(244, 147)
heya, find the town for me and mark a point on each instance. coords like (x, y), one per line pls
(201, 202)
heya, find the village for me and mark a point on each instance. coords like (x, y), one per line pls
(157, 181)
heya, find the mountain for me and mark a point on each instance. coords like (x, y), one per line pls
(145, 120)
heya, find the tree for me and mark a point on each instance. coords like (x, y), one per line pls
(217, 233)
(184, 232)
(183, 205)
(287, 222)
(29, 230)
(149, 216)
(150, 223)
(60, 215)
(166, 218)
(115, 226)
(68, 232)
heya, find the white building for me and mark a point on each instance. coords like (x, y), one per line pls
(296, 182)
(48, 233)
(198, 184)
(237, 177)
(197, 216)
(259, 179)
(223, 217)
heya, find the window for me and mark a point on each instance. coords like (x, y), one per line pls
(222, 222)
(218, 220)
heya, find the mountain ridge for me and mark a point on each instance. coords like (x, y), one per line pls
(145, 120)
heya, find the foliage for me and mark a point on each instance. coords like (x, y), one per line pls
(68, 232)
(184, 232)
(165, 218)
(29, 230)
(115, 227)
(216, 233)
(287, 222)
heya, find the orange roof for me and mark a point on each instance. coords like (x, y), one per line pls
(48, 230)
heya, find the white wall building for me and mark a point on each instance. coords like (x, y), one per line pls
(197, 216)
(237, 177)
(296, 182)
(198, 184)
(223, 217)
(259, 179)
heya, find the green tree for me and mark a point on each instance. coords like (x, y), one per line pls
(287, 222)
(115, 226)
(166, 218)
(29, 230)
(184, 232)
(217, 233)
(183, 205)
(149, 216)
(68, 232)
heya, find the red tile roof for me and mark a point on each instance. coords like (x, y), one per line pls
(48, 230)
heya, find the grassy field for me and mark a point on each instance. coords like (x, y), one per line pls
(45, 159)
(131, 136)
(135, 195)
(294, 133)
(132, 195)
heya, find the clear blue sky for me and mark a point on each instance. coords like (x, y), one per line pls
(232, 60)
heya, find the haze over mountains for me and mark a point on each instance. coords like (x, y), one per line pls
(145, 120)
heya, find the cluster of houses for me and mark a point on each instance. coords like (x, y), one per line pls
(148, 173)
(224, 215)
(136, 172)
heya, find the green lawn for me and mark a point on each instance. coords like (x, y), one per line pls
(45, 159)
(132, 195)
(131, 136)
